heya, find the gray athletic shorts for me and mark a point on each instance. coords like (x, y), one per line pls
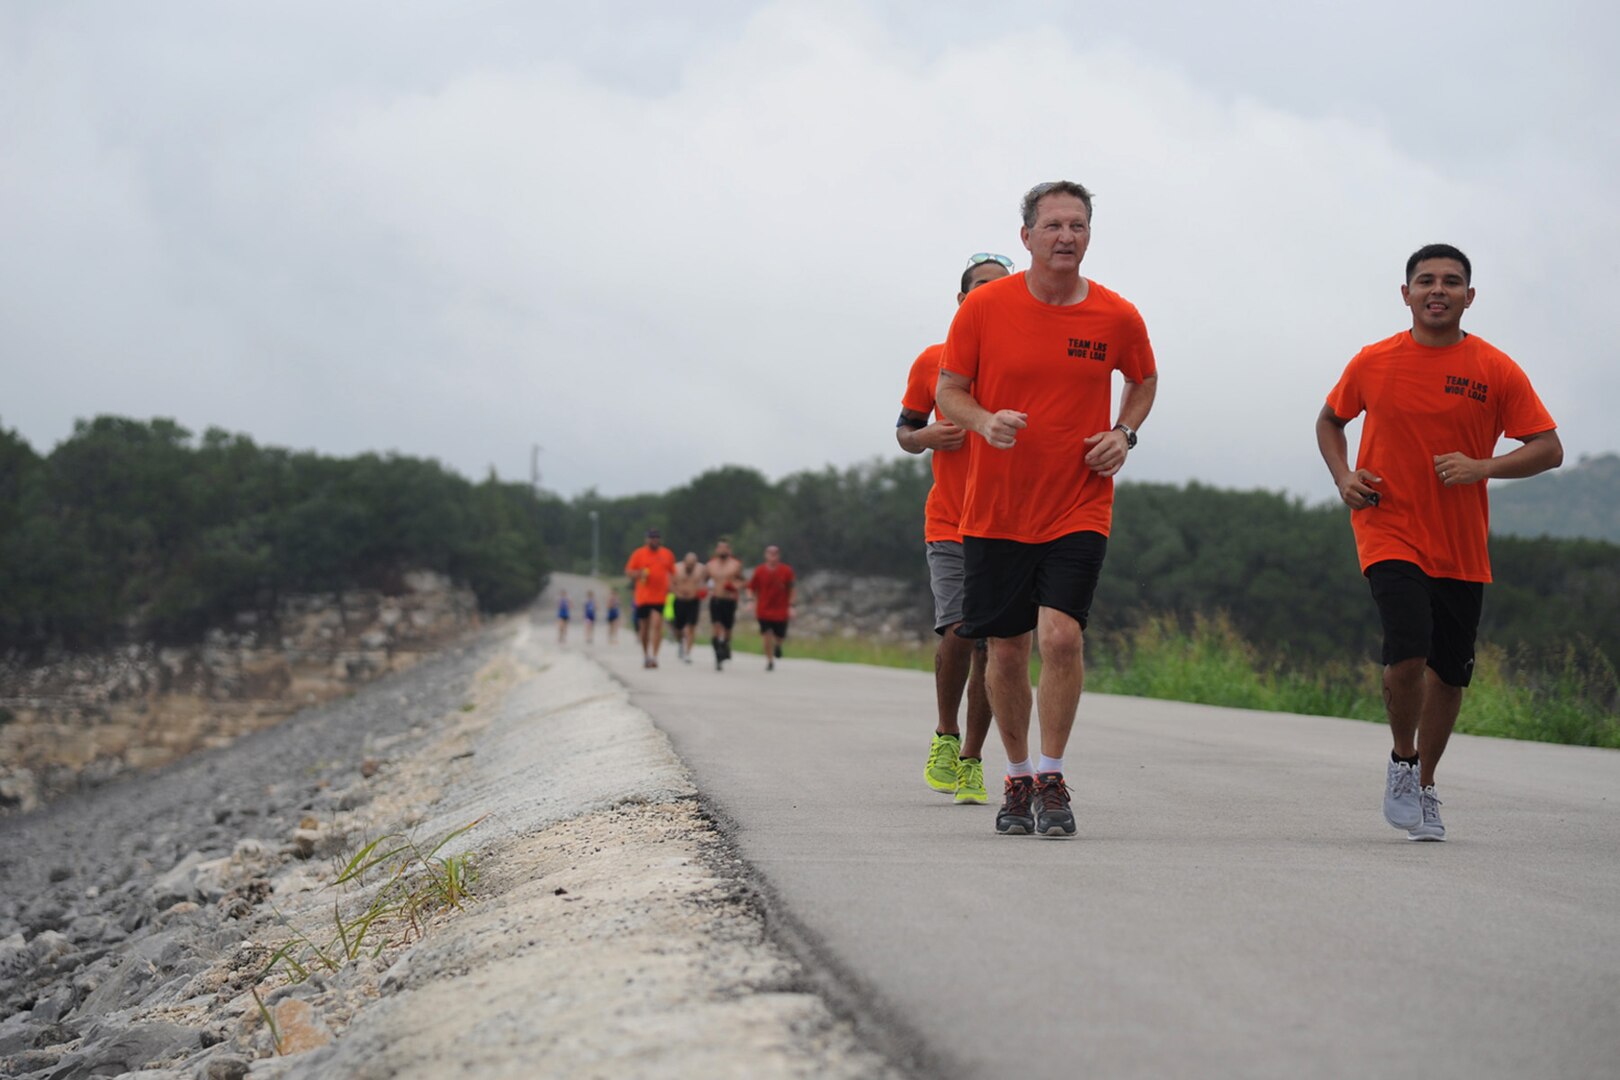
(945, 578)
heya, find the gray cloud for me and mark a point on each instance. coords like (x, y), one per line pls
(655, 242)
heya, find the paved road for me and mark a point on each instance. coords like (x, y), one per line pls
(1233, 904)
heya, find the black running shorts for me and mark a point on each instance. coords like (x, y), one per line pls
(1007, 582)
(722, 612)
(686, 612)
(1435, 618)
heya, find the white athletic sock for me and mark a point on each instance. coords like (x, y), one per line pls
(1050, 764)
(1020, 768)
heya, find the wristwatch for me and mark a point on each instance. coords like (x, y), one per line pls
(1130, 435)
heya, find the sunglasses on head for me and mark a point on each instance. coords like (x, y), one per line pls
(988, 256)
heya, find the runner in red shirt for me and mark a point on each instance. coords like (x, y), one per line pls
(955, 765)
(1028, 367)
(1436, 400)
(772, 587)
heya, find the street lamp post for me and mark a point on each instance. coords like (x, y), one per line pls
(595, 545)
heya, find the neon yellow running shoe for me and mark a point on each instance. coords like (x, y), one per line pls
(970, 781)
(941, 769)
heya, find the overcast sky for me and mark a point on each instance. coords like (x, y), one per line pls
(655, 238)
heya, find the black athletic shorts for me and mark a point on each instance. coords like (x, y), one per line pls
(644, 610)
(723, 612)
(686, 612)
(773, 626)
(1006, 582)
(1435, 618)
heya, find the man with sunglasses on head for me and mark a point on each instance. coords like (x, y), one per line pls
(1028, 368)
(955, 765)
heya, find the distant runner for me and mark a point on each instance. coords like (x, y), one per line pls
(690, 577)
(650, 567)
(725, 586)
(613, 616)
(772, 586)
(590, 615)
(562, 617)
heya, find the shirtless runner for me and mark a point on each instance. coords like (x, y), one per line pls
(725, 573)
(687, 584)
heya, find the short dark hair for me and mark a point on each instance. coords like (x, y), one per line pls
(1440, 251)
(1034, 195)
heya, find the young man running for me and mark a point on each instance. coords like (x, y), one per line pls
(955, 766)
(772, 586)
(650, 567)
(1028, 367)
(687, 584)
(1436, 400)
(725, 587)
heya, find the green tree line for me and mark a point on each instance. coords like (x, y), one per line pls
(135, 529)
(137, 526)
(1281, 571)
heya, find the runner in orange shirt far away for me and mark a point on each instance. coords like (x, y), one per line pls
(650, 567)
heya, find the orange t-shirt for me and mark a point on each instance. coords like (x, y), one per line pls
(944, 510)
(659, 564)
(1055, 363)
(1422, 401)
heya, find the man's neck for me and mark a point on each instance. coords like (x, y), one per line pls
(1059, 289)
(1437, 339)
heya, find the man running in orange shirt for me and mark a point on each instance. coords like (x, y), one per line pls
(955, 765)
(650, 567)
(772, 586)
(1436, 401)
(1028, 368)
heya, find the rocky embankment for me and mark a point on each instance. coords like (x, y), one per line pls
(146, 924)
(136, 916)
(83, 719)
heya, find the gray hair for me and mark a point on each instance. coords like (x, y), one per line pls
(1034, 195)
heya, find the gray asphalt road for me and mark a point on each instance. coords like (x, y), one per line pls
(1233, 904)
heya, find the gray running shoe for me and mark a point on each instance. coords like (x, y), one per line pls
(1015, 817)
(1401, 807)
(1431, 827)
(1053, 814)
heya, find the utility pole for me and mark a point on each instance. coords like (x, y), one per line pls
(595, 541)
(534, 467)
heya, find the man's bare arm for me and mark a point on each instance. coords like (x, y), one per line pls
(1353, 484)
(915, 434)
(1109, 448)
(955, 401)
(1540, 452)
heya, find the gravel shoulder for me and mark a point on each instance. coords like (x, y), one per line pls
(611, 931)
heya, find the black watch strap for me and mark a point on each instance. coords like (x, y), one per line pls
(1130, 435)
